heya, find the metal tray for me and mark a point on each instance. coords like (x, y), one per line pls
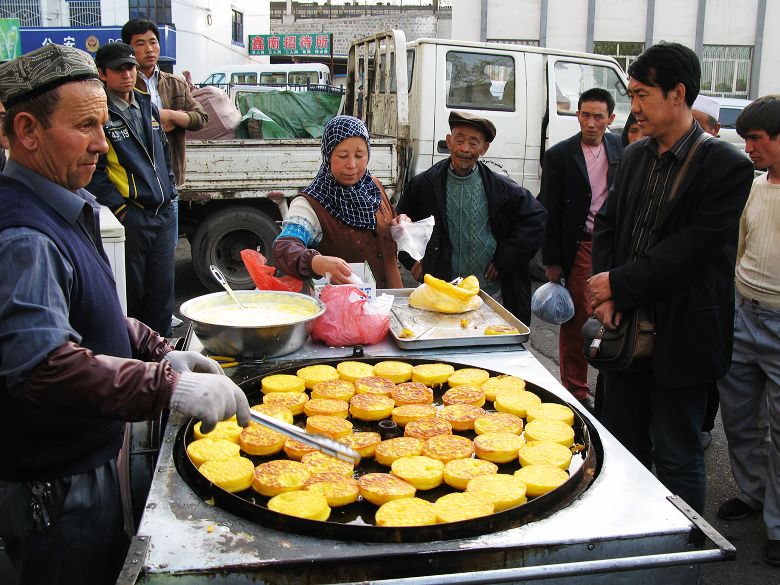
(441, 330)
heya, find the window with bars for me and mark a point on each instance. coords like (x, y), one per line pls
(238, 27)
(622, 51)
(27, 11)
(725, 70)
(158, 11)
(84, 12)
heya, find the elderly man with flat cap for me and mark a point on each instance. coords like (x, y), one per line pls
(72, 368)
(486, 224)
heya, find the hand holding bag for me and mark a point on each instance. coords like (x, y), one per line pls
(627, 347)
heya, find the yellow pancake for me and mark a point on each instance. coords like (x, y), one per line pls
(406, 512)
(403, 415)
(279, 476)
(312, 375)
(464, 394)
(330, 426)
(502, 383)
(505, 491)
(204, 450)
(392, 449)
(448, 447)
(428, 427)
(498, 422)
(468, 376)
(549, 430)
(458, 472)
(516, 403)
(462, 506)
(412, 393)
(379, 488)
(364, 443)
(544, 453)
(424, 473)
(232, 475)
(553, 411)
(337, 489)
(283, 383)
(351, 371)
(370, 407)
(461, 416)
(540, 479)
(226, 429)
(259, 440)
(374, 385)
(302, 504)
(396, 371)
(334, 389)
(432, 374)
(293, 401)
(326, 407)
(318, 463)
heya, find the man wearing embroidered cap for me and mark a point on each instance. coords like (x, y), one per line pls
(486, 224)
(70, 363)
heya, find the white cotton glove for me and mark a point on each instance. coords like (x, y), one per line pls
(192, 361)
(210, 399)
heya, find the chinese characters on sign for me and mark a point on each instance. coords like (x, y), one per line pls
(306, 44)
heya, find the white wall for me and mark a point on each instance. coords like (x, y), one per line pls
(202, 47)
(114, 12)
(467, 20)
(513, 20)
(675, 21)
(769, 79)
(567, 24)
(731, 22)
(620, 20)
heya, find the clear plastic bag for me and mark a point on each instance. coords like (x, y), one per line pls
(350, 318)
(413, 237)
(552, 303)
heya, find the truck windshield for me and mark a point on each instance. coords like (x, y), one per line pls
(572, 79)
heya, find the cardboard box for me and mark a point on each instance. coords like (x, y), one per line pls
(362, 271)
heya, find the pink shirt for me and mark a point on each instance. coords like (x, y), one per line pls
(598, 165)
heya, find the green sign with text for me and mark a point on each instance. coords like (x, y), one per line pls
(10, 41)
(305, 44)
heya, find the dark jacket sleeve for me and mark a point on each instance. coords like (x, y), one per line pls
(167, 153)
(292, 257)
(102, 187)
(75, 380)
(552, 197)
(147, 344)
(521, 229)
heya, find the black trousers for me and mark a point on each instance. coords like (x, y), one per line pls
(85, 543)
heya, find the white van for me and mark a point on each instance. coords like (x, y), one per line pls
(277, 75)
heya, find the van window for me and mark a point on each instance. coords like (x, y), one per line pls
(273, 78)
(303, 78)
(480, 81)
(409, 67)
(247, 78)
(215, 78)
(572, 79)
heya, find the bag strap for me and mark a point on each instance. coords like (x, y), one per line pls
(700, 139)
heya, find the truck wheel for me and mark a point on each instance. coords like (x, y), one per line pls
(536, 267)
(220, 238)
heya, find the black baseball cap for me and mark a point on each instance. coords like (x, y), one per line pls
(114, 55)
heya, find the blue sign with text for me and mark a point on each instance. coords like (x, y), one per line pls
(90, 38)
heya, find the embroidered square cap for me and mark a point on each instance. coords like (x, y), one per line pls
(114, 55)
(484, 125)
(42, 70)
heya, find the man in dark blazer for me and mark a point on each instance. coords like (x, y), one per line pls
(576, 175)
(675, 255)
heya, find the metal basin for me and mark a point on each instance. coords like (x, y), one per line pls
(254, 342)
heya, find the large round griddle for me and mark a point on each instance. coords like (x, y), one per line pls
(356, 521)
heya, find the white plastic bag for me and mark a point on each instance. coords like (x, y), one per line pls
(412, 237)
(552, 303)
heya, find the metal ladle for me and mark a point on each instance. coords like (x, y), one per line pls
(217, 273)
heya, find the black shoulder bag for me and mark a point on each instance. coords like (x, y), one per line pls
(631, 345)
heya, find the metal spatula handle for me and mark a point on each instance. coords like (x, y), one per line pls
(217, 274)
(324, 444)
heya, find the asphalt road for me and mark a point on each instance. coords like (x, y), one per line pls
(747, 535)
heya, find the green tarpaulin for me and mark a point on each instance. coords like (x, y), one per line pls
(288, 114)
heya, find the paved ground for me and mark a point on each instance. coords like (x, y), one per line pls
(747, 535)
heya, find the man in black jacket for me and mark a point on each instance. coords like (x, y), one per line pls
(673, 254)
(576, 175)
(486, 224)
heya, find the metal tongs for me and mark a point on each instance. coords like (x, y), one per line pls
(321, 443)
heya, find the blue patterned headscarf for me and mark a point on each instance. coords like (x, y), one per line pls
(355, 205)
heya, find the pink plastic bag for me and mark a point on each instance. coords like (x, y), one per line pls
(349, 318)
(263, 275)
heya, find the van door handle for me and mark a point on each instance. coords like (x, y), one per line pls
(442, 148)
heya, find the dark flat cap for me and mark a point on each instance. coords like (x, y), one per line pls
(114, 55)
(482, 124)
(42, 70)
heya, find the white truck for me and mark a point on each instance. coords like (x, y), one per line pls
(236, 192)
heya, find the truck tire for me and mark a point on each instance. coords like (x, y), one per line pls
(220, 238)
(537, 268)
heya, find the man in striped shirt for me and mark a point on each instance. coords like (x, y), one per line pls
(671, 252)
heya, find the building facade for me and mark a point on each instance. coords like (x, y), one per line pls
(208, 33)
(740, 55)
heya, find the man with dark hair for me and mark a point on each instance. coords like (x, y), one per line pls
(135, 181)
(670, 250)
(179, 111)
(750, 392)
(486, 224)
(72, 368)
(576, 175)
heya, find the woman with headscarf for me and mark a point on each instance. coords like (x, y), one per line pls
(343, 215)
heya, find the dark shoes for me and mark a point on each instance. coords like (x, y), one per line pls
(736, 509)
(588, 403)
(772, 552)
